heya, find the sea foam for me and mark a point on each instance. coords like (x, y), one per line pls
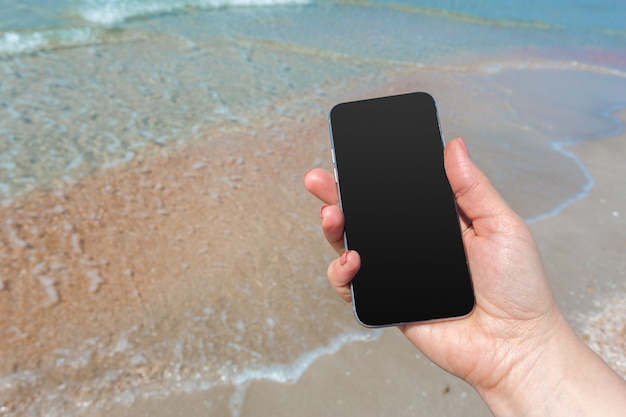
(111, 12)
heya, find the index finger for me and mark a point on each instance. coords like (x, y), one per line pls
(321, 183)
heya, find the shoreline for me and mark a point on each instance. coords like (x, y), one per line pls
(342, 382)
(126, 272)
(565, 148)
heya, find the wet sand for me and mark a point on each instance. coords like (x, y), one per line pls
(584, 250)
(135, 272)
(170, 275)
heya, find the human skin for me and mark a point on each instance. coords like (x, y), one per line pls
(516, 348)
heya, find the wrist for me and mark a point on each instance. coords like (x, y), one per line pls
(556, 374)
(533, 374)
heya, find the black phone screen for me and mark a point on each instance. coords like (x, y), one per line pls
(399, 210)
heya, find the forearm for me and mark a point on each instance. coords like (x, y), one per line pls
(562, 377)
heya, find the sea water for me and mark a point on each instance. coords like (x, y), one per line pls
(88, 86)
(42, 92)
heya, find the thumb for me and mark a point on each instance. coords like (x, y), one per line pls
(476, 197)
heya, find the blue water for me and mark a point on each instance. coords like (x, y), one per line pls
(39, 25)
(387, 34)
(88, 86)
(592, 17)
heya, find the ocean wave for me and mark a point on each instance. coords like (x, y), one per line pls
(99, 15)
(111, 12)
(134, 377)
(15, 43)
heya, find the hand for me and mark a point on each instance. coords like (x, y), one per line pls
(516, 320)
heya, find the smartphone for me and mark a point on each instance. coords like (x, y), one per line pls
(399, 209)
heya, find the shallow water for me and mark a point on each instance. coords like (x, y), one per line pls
(156, 238)
(91, 84)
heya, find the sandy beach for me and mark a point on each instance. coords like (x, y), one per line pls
(160, 256)
(145, 248)
(584, 251)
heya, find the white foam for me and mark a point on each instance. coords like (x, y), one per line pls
(604, 330)
(562, 148)
(14, 43)
(586, 188)
(175, 380)
(111, 12)
(291, 372)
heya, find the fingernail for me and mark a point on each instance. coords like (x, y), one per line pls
(464, 146)
(344, 258)
(322, 210)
